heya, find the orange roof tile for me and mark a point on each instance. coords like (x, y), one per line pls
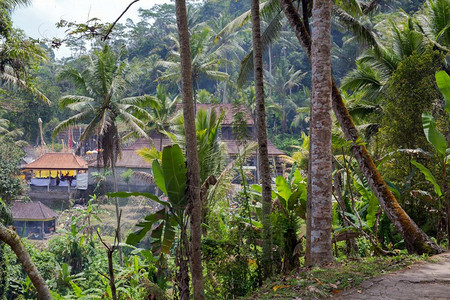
(57, 161)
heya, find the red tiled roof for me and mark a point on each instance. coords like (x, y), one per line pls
(230, 111)
(32, 211)
(57, 161)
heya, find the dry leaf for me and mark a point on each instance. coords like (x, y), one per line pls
(276, 287)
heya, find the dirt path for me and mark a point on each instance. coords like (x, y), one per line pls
(430, 280)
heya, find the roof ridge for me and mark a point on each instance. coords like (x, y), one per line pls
(40, 207)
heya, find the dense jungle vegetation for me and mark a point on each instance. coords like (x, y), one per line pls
(389, 184)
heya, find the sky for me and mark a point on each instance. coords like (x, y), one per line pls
(38, 20)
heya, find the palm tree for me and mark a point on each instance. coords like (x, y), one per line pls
(319, 214)
(261, 131)
(433, 23)
(211, 151)
(161, 110)
(18, 53)
(103, 82)
(376, 66)
(282, 81)
(205, 59)
(415, 239)
(10, 135)
(193, 190)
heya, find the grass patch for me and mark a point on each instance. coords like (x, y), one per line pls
(331, 280)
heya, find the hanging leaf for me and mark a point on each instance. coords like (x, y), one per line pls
(428, 176)
(257, 190)
(443, 82)
(174, 170)
(283, 190)
(158, 176)
(135, 237)
(433, 135)
(293, 199)
(372, 210)
(369, 197)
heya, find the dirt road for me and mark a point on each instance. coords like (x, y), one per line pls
(430, 280)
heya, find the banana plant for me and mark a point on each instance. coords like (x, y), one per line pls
(442, 150)
(290, 203)
(170, 177)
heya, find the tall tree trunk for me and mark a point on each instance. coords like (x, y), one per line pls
(11, 238)
(193, 190)
(415, 239)
(320, 138)
(261, 132)
(116, 203)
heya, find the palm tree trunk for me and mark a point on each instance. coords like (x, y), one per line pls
(321, 251)
(191, 152)
(262, 139)
(415, 239)
(116, 203)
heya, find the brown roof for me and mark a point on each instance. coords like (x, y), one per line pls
(131, 159)
(230, 111)
(57, 161)
(232, 148)
(32, 211)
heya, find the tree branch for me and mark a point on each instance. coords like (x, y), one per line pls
(117, 20)
(11, 238)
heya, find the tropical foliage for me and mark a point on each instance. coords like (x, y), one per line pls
(390, 66)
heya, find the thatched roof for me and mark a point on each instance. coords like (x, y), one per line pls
(57, 161)
(30, 211)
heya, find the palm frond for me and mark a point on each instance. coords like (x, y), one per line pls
(71, 101)
(360, 31)
(363, 78)
(266, 9)
(76, 119)
(269, 35)
(9, 78)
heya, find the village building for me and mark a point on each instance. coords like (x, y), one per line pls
(56, 177)
(33, 219)
(130, 159)
(57, 169)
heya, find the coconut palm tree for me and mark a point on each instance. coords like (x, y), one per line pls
(17, 53)
(211, 151)
(205, 57)
(103, 106)
(415, 239)
(319, 213)
(281, 82)
(193, 190)
(161, 110)
(261, 132)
